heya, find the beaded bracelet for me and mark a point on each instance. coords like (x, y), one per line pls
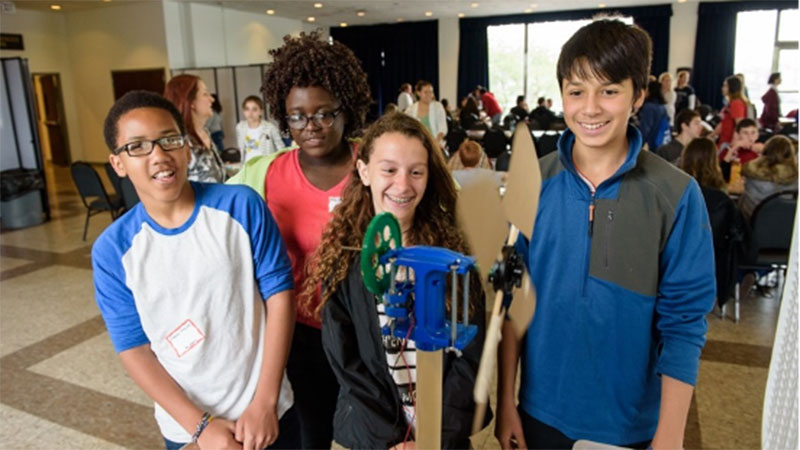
(204, 421)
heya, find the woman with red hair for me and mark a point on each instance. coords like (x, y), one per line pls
(190, 95)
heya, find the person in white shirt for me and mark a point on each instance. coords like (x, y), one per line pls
(405, 99)
(428, 111)
(254, 135)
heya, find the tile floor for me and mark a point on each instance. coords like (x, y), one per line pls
(62, 386)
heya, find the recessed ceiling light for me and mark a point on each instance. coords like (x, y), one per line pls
(601, 5)
(107, 1)
(534, 5)
(55, 7)
(270, 11)
(400, 19)
(317, 5)
(460, 14)
(428, 13)
(528, 11)
(311, 19)
(361, 13)
(681, 1)
(343, 24)
(474, 5)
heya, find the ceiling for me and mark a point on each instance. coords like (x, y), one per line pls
(334, 12)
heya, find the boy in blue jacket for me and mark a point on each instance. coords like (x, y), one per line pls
(623, 264)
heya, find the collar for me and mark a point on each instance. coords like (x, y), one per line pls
(566, 143)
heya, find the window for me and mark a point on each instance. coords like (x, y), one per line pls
(766, 42)
(523, 57)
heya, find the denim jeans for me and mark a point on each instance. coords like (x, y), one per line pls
(288, 437)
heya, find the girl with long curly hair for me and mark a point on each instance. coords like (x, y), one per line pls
(400, 170)
(317, 92)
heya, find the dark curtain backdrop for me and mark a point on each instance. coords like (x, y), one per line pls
(393, 54)
(715, 44)
(473, 51)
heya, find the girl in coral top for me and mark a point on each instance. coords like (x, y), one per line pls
(318, 93)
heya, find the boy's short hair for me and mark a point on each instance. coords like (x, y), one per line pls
(540, 101)
(520, 99)
(255, 99)
(135, 100)
(745, 123)
(685, 118)
(610, 50)
(470, 153)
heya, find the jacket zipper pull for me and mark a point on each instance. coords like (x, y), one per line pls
(591, 216)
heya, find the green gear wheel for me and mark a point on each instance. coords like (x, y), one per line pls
(383, 234)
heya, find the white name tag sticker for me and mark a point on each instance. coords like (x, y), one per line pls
(333, 202)
(186, 337)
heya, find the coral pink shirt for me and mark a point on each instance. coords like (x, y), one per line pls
(736, 109)
(301, 211)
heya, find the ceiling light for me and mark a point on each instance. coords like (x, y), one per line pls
(361, 13)
(55, 7)
(400, 19)
(428, 13)
(317, 5)
(474, 5)
(528, 11)
(681, 1)
(460, 14)
(343, 24)
(107, 1)
(601, 5)
(534, 5)
(270, 11)
(311, 19)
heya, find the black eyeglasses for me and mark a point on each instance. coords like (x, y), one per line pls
(144, 148)
(323, 120)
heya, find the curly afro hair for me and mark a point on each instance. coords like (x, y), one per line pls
(308, 60)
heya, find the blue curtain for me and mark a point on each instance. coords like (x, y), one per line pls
(392, 55)
(715, 44)
(473, 52)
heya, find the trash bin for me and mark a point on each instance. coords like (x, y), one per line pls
(20, 198)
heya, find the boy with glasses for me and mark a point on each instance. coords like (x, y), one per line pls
(623, 264)
(195, 288)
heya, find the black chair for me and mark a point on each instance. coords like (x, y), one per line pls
(454, 139)
(93, 194)
(231, 155)
(547, 143)
(495, 142)
(771, 225)
(502, 162)
(123, 188)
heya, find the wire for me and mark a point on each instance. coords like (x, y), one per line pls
(410, 382)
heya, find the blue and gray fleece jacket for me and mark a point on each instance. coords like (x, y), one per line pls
(622, 294)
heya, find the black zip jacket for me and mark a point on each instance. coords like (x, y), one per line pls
(368, 411)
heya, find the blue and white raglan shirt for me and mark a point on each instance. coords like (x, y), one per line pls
(196, 295)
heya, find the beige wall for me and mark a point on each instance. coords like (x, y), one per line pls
(103, 40)
(43, 35)
(448, 60)
(201, 35)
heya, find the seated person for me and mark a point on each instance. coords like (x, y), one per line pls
(520, 112)
(774, 171)
(742, 149)
(469, 160)
(542, 115)
(689, 127)
(469, 117)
